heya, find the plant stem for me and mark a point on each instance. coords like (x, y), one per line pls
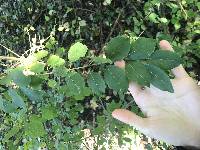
(179, 2)
(9, 58)
(10, 50)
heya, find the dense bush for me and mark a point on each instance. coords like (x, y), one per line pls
(59, 93)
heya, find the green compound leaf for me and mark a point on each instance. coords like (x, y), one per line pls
(159, 78)
(48, 113)
(142, 48)
(165, 59)
(77, 51)
(55, 61)
(96, 83)
(116, 79)
(118, 48)
(18, 77)
(37, 67)
(6, 106)
(17, 99)
(136, 71)
(41, 54)
(35, 127)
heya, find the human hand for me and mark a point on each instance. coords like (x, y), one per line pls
(171, 117)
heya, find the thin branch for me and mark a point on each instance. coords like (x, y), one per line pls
(114, 26)
(86, 10)
(186, 15)
(10, 50)
(9, 58)
(83, 67)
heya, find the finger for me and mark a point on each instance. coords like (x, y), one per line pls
(130, 118)
(165, 45)
(179, 72)
(120, 64)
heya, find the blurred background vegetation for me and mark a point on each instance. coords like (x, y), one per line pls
(94, 22)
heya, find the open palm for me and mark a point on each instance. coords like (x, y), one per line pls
(171, 117)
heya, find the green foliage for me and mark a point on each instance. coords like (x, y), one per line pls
(56, 89)
(136, 71)
(165, 59)
(55, 61)
(138, 67)
(34, 128)
(142, 48)
(77, 51)
(159, 78)
(118, 48)
(116, 79)
(96, 83)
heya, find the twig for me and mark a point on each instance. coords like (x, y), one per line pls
(84, 67)
(113, 28)
(183, 9)
(9, 58)
(140, 34)
(10, 50)
(86, 10)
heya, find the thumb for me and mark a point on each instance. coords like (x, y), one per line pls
(131, 118)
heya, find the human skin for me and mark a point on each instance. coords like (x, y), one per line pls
(171, 117)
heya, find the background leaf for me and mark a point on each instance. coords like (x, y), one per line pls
(35, 127)
(18, 77)
(6, 106)
(17, 99)
(37, 67)
(77, 51)
(55, 61)
(48, 113)
(41, 54)
(33, 95)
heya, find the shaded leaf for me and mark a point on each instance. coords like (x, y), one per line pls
(159, 78)
(136, 71)
(6, 106)
(16, 98)
(165, 59)
(18, 77)
(33, 95)
(48, 113)
(96, 83)
(116, 79)
(142, 48)
(74, 84)
(118, 48)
